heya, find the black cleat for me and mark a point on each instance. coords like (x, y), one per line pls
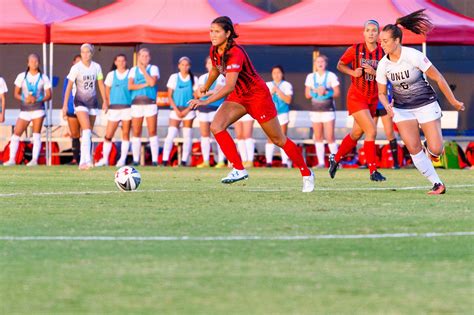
(333, 166)
(377, 177)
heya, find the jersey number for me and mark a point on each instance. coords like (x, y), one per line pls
(404, 85)
(88, 85)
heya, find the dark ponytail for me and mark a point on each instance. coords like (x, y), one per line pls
(226, 23)
(417, 22)
(114, 67)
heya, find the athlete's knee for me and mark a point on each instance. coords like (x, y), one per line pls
(217, 126)
(436, 149)
(151, 133)
(371, 133)
(278, 140)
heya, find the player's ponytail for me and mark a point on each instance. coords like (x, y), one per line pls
(416, 22)
(226, 23)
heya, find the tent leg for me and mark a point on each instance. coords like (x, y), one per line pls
(50, 107)
(45, 70)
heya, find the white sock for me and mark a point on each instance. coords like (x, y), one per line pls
(187, 143)
(124, 150)
(284, 157)
(220, 154)
(205, 148)
(136, 148)
(269, 147)
(320, 152)
(332, 147)
(106, 148)
(172, 133)
(36, 146)
(86, 146)
(250, 145)
(14, 142)
(154, 148)
(242, 150)
(425, 167)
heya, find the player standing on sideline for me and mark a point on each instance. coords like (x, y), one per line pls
(85, 74)
(245, 142)
(362, 98)
(282, 93)
(73, 123)
(245, 92)
(33, 89)
(3, 91)
(206, 116)
(120, 102)
(181, 88)
(388, 127)
(142, 85)
(322, 87)
(414, 100)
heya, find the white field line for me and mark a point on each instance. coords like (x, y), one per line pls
(233, 238)
(256, 189)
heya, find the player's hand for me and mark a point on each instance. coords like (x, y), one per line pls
(30, 99)
(321, 90)
(2, 117)
(357, 73)
(105, 107)
(203, 90)
(389, 109)
(368, 68)
(458, 105)
(193, 104)
(64, 110)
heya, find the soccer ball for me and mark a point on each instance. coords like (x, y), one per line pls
(127, 178)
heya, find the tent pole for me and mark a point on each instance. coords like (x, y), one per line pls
(50, 109)
(45, 71)
(315, 56)
(135, 50)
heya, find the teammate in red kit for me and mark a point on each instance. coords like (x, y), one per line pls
(246, 93)
(362, 98)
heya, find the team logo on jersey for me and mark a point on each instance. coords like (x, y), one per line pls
(233, 66)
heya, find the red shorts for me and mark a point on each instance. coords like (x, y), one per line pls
(356, 102)
(258, 102)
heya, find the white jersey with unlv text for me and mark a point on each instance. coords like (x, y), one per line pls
(85, 79)
(410, 89)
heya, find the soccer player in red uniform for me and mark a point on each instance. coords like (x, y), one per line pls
(362, 98)
(246, 93)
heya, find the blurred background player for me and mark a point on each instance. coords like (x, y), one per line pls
(205, 116)
(245, 141)
(142, 81)
(362, 98)
(322, 87)
(387, 123)
(72, 122)
(120, 102)
(3, 91)
(414, 102)
(85, 74)
(181, 89)
(33, 89)
(246, 93)
(282, 93)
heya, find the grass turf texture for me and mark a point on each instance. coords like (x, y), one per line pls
(366, 276)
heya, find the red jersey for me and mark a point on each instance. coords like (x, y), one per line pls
(358, 55)
(238, 61)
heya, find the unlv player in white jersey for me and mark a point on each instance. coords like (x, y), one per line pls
(414, 101)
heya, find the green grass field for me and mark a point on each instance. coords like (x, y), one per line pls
(410, 275)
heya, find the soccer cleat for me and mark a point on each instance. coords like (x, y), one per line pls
(102, 162)
(9, 163)
(234, 176)
(184, 164)
(204, 164)
(136, 163)
(396, 167)
(155, 164)
(333, 166)
(268, 165)
(308, 183)
(32, 163)
(120, 163)
(164, 163)
(85, 166)
(377, 177)
(220, 165)
(438, 189)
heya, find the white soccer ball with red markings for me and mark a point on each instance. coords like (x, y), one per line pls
(127, 178)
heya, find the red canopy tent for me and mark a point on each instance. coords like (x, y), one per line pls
(339, 22)
(18, 25)
(238, 10)
(148, 21)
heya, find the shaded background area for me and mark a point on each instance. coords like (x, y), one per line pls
(455, 62)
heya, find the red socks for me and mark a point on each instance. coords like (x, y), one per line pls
(347, 145)
(227, 145)
(295, 155)
(369, 149)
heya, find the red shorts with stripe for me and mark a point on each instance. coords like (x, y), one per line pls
(356, 102)
(258, 103)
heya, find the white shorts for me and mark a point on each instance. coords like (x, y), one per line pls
(90, 111)
(29, 116)
(422, 114)
(322, 117)
(284, 118)
(119, 114)
(246, 117)
(191, 115)
(206, 117)
(139, 111)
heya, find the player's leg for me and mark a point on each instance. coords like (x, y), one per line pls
(173, 130)
(319, 142)
(249, 142)
(187, 141)
(390, 134)
(137, 123)
(86, 138)
(284, 157)
(107, 145)
(37, 125)
(151, 125)
(20, 127)
(205, 130)
(75, 131)
(125, 146)
(239, 135)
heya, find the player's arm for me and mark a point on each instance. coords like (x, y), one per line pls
(383, 98)
(348, 70)
(2, 108)
(337, 91)
(132, 86)
(436, 76)
(47, 95)
(150, 80)
(213, 75)
(17, 93)
(229, 87)
(283, 96)
(105, 102)
(66, 97)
